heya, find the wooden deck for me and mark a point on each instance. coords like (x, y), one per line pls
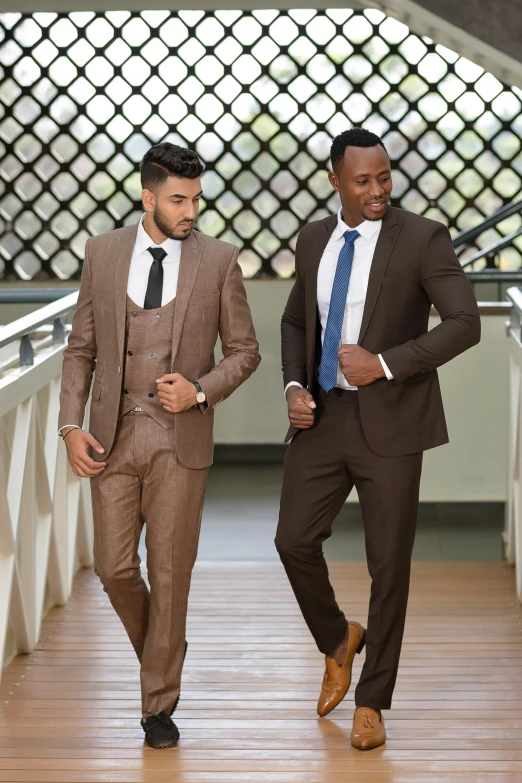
(70, 711)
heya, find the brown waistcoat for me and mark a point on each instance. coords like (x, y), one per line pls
(148, 354)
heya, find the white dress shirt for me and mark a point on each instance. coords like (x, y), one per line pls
(364, 248)
(140, 265)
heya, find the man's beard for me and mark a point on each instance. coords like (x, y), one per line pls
(165, 229)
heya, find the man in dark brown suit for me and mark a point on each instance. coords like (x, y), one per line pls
(364, 402)
(153, 299)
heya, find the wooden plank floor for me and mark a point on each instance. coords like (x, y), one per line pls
(70, 711)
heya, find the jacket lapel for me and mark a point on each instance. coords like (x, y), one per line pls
(188, 270)
(121, 265)
(383, 250)
(314, 250)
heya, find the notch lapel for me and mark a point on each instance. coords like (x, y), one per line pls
(383, 250)
(121, 265)
(314, 250)
(188, 269)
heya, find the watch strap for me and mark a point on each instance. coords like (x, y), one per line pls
(199, 390)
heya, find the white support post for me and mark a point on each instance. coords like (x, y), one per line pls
(514, 502)
(45, 511)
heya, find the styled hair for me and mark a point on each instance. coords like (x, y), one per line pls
(356, 137)
(168, 160)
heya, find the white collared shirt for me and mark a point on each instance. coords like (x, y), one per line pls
(364, 248)
(141, 263)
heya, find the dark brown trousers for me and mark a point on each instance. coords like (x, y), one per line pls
(321, 467)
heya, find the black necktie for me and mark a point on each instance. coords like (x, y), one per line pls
(155, 285)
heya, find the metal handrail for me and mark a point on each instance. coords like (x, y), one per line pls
(23, 327)
(492, 249)
(465, 237)
(33, 295)
(495, 276)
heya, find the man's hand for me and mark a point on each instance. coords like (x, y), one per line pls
(359, 367)
(77, 442)
(176, 393)
(301, 408)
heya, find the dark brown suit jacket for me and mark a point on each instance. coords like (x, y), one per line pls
(413, 268)
(210, 302)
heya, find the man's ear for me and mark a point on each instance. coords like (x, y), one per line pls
(148, 198)
(334, 182)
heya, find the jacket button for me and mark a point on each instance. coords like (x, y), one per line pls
(129, 353)
(150, 394)
(125, 391)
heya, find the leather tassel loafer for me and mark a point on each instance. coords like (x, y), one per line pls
(160, 731)
(337, 678)
(368, 730)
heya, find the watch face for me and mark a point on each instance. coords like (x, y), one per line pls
(201, 397)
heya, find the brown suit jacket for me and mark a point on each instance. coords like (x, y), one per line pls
(414, 266)
(210, 301)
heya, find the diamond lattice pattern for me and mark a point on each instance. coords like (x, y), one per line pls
(259, 95)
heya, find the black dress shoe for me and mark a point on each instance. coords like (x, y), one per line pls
(160, 731)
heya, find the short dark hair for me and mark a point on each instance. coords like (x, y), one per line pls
(356, 137)
(168, 160)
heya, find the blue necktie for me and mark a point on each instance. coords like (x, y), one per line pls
(332, 336)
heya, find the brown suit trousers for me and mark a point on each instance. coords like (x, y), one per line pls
(145, 482)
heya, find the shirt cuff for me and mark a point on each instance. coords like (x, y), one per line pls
(74, 426)
(293, 383)
(385, 368)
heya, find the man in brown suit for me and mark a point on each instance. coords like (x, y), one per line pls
(364, 402)
(153, 299)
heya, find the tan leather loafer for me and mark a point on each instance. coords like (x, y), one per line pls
(368, 730)
(337, 678)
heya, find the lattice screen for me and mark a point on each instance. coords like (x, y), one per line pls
(259, 95)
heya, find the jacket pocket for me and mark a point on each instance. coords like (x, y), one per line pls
(421, 377)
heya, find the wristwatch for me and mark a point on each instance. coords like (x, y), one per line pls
(201, 397)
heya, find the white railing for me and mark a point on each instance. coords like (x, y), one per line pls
(514, 503)
(45, 513)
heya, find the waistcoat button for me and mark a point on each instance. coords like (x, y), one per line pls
(158, 315)
(134, 313)
(154, 356)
